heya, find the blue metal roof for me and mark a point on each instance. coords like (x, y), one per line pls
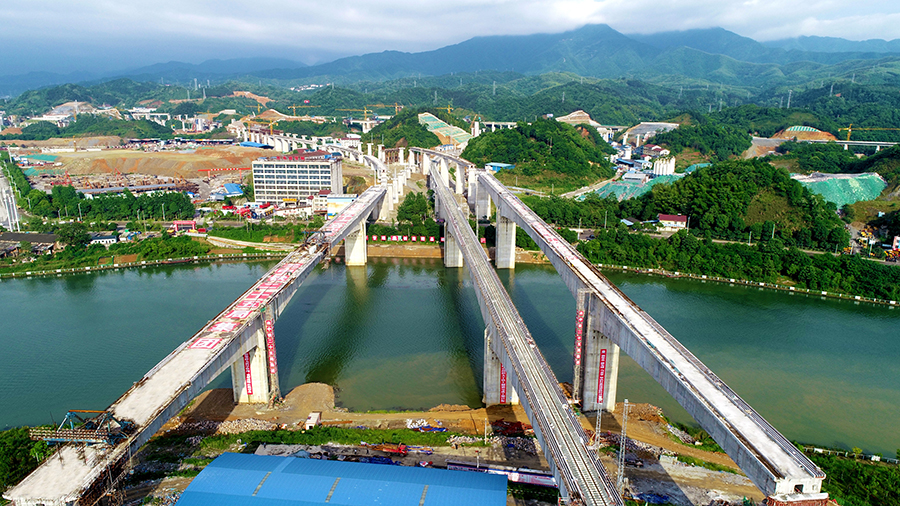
(264, 480)
(250, 144)
(233, 190)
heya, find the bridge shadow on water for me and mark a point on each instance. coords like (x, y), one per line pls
(467, 335)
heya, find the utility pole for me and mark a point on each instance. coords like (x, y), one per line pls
(620, 480)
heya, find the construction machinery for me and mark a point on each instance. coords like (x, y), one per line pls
(850, 129)
(85, 426)
(295, 107)
(269, 122)
(365, 110)
(397, 106)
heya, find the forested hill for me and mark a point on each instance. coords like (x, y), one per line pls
(543, 145)
(731, 200)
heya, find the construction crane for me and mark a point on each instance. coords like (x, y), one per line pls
(269, 122)
(850, 129)
(448, 107)
(365, 110)
(295, 107)
(397, 107)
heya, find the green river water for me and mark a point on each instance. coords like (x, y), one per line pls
(407, 334)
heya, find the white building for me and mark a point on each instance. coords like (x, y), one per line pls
(664, 166)
(296, 177)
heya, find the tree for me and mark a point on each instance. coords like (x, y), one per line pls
(856, 451)
(74, 235)
(25, 247)
(413, 210)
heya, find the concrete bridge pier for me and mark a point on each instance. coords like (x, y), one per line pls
(452, 254)
(387, 205)
(498, 380)
(369, 148)
(460, 178)
(481, 200)
(505, 253)
(381, 153)
(445, 172)
(412, 159)
(355, 246)
(400, 158)
(596, 358)
(250, 374)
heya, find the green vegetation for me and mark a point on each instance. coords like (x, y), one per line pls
(323, 434)
(767, 121)
(404, 129)
(715, 140)
(712, 466)
(92, 126)
(545, 152)
(767, 261)
(312, 129)
(707, 443)
(258, 232)
(859, 483)
(64, 201)
(79, 255)
(827, 158)
(19, 455)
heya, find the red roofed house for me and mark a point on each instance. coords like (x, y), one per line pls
(674, 222)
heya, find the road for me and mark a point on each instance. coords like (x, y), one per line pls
(6, 197)
(585, 189)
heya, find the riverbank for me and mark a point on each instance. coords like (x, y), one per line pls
(144, 263)
(823, 294)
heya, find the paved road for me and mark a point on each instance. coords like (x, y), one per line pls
(6, 194)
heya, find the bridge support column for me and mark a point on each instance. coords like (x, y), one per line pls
(445, 172)
(387, 206)
(460, 179)
(599, 363)
(497, 381)
(355, 246)
(400, 158)
(452, 254)
(482, 203)
(369, 148)
(505, 253)
(249, 375)
(381, 153)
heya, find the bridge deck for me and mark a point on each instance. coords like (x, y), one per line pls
(565, 440)
(182, 374)
(754, 436)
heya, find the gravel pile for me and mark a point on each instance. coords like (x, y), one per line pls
(680, 434)
(238, 426)
(634, 446)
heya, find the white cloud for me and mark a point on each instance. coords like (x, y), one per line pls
(36, 32)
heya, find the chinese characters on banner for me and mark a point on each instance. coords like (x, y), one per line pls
(502, 384)
(270, 345)
(248, 376)
(601, 380)
(579, 325)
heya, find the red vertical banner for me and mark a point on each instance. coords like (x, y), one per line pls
(248, 375)
(601, 378)
(502, 384)
(270, 347)
(579, 329)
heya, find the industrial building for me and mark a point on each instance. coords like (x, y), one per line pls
(278, 179)
(264, 480)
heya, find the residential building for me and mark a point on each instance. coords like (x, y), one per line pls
(105, 240)
(673, 222)
(296, 177)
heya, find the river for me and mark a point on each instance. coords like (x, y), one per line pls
(407, 334)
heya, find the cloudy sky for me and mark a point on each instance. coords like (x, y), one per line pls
(97, 35)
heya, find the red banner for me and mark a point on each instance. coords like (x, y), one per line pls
(248, 376)
(502, 384)
(601, 378)
(270, 346)
(579, 326)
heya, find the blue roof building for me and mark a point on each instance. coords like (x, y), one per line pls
(263, 480)
(497, 166)
(233, 190)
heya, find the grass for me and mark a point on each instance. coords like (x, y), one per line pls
(767, 206)
(548, 182)
(867, 210)
(691, 461)
(532, 492)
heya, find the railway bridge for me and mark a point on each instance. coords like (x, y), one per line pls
(240, 339)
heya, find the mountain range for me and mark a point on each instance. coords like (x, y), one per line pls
(714, 55)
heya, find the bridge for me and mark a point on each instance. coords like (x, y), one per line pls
(241, 339)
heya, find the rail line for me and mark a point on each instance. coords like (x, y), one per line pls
(581, 472)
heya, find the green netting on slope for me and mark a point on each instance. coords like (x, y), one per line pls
(848, 190)
(37, 171)
(625, 191)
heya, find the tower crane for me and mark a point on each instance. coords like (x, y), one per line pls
(850, 129)
(397, 106)
(295, 107)
(365, 110)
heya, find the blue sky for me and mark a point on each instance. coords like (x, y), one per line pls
(66, 35)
